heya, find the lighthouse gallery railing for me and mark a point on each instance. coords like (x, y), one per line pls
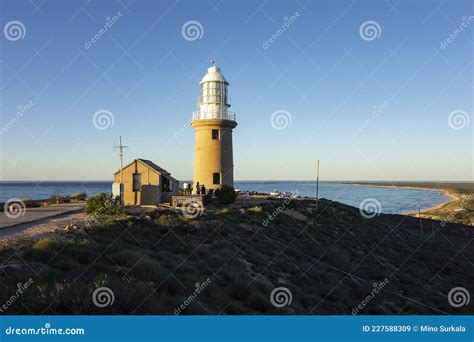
(216, 115)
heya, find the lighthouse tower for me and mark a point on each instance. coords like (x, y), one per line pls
(213, 123)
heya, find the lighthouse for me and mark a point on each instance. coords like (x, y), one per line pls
(213, 123)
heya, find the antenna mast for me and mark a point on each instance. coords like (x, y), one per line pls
(317, 184)
(120, 147)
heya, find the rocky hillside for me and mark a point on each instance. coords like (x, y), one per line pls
(258, 256)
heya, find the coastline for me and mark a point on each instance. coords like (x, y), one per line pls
(453, 198)
(445, 211)
(450, 194)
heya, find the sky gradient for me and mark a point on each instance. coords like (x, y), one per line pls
(370, 108)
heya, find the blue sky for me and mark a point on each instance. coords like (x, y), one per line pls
(374, 109)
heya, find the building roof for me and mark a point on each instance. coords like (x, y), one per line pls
(150, 164)
(214, 74)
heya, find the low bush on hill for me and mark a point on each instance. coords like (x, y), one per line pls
(102, 204)
(226, 195)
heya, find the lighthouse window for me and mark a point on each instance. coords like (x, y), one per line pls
(215, 134)
(216, 178)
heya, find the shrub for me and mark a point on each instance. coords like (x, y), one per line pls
(79, 195)
(42, 250)
(226, 194)
(168, 220)
(27, 202)
(256, 209)
(102, 204)
(44, 244)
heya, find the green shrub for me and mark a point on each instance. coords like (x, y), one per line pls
(256, 209)
(43, 250)
(44, 244)
(168, 220)
(102, 204)
(226, 194)
(79, 195)
(27, 202)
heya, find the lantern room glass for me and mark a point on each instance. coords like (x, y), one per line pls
(214, 92)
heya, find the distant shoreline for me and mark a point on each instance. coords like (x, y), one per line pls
(441, 211)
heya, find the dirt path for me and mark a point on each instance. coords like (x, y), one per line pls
(32, 229)
(26, 215)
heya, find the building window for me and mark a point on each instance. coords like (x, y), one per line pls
(166, 184)
(137, 181)
(216, 178)
(215, 134)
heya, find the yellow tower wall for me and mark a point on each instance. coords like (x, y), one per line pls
(213, 155)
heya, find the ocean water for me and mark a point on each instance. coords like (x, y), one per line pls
(392, 200)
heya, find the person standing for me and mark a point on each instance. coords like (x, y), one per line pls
(198, 188)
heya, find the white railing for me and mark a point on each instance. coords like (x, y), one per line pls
(213, 115)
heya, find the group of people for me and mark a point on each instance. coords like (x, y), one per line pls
(188, 188)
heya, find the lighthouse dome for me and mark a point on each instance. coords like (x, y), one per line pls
(214, 74)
